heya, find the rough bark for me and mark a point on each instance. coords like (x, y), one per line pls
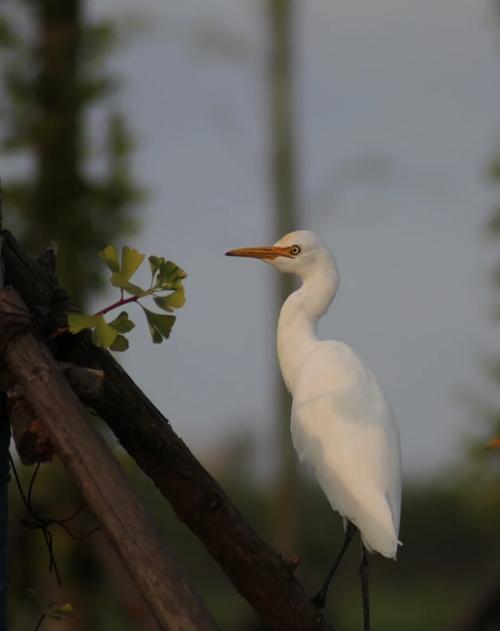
(261, 576)
(97, 474)
(31, 437)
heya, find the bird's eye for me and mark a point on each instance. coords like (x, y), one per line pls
(295, 249)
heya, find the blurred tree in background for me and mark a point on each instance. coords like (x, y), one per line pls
(283, 184)
(53, 77)
(493, 413)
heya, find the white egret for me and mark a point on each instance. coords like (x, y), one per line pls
(341, 422)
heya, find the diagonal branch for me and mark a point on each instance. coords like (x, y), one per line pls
(261, 576)
(99, 477)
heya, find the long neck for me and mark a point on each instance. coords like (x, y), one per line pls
(299, 316)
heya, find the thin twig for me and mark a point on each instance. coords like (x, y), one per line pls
(39, 623)
(115, 305)
(40, 523)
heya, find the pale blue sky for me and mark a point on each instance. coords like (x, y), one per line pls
(409, 86)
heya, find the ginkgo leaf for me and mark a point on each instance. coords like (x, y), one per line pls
(120, 344)
(79, 321)
(168, 273)
(119, 281)
(131, 260)
(122, 323)
(110, 256)
(167, 276)
(160, 325)
(155, 263)
(162, 302)
(177, 299)
(174, 300)
(103, 334)
(135, 290)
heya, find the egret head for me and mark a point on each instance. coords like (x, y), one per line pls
(299, 252)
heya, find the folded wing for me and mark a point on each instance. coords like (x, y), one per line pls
(344, 429)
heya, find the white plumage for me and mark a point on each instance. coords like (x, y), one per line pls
(345, 431)
(341, 422)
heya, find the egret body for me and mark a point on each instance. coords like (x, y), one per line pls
(342, 425)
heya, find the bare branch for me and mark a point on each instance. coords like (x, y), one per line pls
(86, 382)
(97, 474)
(32, 440)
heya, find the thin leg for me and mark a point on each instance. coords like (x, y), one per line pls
(319, 599)
(363, 572)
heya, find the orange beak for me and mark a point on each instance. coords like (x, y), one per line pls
(262, 252)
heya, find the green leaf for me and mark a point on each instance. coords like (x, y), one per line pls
(160, 325)
(155, 263)
(135, 290)
(131, 260)
(168, 273)
(110, 256)
(178, 298)
(119, 281)
(122, 323)
(103, 335)
(120, 344)
(79, 321)
(173, 301)
(162, 302)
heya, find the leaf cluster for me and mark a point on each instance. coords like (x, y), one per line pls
(166, 290)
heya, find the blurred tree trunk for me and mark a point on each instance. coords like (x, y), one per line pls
(53, 77)
(58, 182)
(284, 198)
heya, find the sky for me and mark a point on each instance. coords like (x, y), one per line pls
(397, 118)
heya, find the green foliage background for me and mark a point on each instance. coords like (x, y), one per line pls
(53, 77)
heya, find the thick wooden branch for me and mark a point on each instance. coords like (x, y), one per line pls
(31, 437)
(262, 577)
(97, 474)
(86, 382)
